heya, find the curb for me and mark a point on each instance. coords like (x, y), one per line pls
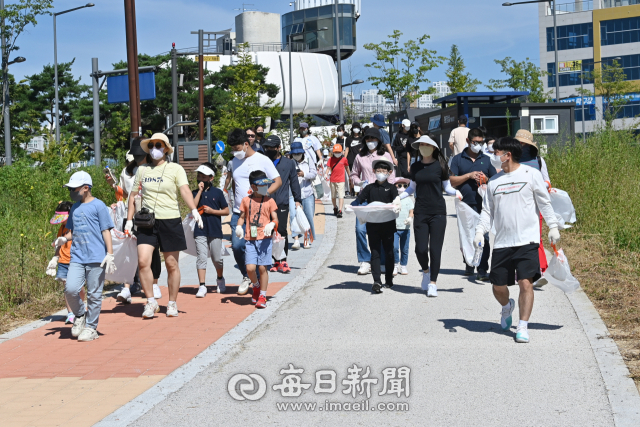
(139, 406)
(621, 390)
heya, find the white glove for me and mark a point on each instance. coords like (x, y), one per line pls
(458, 195)
(110, 264)
(239, 232)
(268, 229)
(60, 241)
(554, 235)
(397, 205)
(197, 217)
(51, 268)
(408, 221)
(478, 240)
(128, 226)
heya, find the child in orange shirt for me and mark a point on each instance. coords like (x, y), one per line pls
(62, 258)
(259, 212)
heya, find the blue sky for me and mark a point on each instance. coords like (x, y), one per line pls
(482, 29)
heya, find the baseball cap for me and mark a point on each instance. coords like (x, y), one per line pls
(406, 123)
(303, 125)
(79, 179)
(272, 141)
(205, 170)
(337, 148)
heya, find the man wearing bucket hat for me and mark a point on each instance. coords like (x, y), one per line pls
(514, 200)
(91, 255)
(160, 183)
(379, 123)
(290, 185)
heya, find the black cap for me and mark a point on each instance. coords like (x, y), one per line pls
(136, 150)
(373, 132)
(272, 141)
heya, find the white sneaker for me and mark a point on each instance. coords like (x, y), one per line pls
(433, 290)
(78, 325)
(296, 244)
(307, 245)
(172, 309)
(244, 286)
(426, 279)
(403, 270)
(150, 309)
(88, 334)
(202, 292)
(395, 270)
(522, 334)
(505, 316)
(222, 285)
(365, 268)
(540, 282)
(383, 269)
(156, 292)
(124, 296)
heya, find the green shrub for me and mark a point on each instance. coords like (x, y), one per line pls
(602, 176)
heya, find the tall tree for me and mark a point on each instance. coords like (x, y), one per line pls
(16, 17)
(458, 80)
(610, 82)
(402, 67)
(522, 76)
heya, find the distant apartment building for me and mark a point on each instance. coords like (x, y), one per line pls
(590, 34)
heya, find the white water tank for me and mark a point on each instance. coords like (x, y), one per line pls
(258, 28)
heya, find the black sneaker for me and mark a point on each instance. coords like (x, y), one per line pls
(376, 288)
(135, 288)
(339, 214)
(469, 270)
(335, 211)
(483, 276)
(388, 285)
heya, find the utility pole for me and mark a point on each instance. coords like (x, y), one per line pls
(201, 78)
(96, 112)
(339, 59)
(5, 101)
(174, 92)
(132, 66)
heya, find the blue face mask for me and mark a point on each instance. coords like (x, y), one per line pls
(262, 190)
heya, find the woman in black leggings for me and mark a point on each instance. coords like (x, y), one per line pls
(428, 177)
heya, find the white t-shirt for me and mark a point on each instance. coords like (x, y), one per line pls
(126, 181)
(310, 144)
(459, 138)
(514, 202)
(240, 170)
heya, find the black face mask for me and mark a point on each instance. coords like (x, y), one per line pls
(260, 134)
(207, 184)
(272, 154)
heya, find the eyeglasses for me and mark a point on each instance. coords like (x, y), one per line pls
(402, 185)
(158, 145)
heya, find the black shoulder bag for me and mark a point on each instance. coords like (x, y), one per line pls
(145, 218)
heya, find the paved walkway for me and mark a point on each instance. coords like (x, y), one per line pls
(49, 379)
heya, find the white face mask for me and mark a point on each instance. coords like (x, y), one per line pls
(372, 145)
(337, 155)
(381, 176)
(406, 128)
(401, 190)
(356, 130)
(262, 190)
(496, 162)
(240, 154)
(156, 153)
(297, 157)
(490, 148)
(475, 148)
(340, 134)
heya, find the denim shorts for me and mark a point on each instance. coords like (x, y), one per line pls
(63, 269)
(258, 252)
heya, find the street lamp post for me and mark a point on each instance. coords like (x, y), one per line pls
(617, 58)
(5, 112)
(339, 61)
(296, 29)
(555, 38)
(55, 62)
(355, 82)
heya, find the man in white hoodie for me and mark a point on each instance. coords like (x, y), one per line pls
(514, 199)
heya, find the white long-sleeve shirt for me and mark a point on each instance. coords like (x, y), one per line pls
(310, 173)
(513, 202)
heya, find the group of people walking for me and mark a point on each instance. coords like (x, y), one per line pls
(503, 180)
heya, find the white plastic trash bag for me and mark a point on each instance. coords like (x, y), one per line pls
(278, 245)
(301, 219)
(468, 220)
(125, 254)
(561, 203)
(558, 273)
(189, 225)
(225, 250)
(375, 213)
(327, 190)
(118, 214)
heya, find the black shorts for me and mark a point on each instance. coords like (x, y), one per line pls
(167, 234)
(506, 262)
(283, 219)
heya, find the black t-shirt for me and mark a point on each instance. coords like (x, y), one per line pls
(428, 179)
(354, 145)
(401, 146)
(214, 198)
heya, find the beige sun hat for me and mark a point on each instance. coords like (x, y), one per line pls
(526, 137)
(156, 137)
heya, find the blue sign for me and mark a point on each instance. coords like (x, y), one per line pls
(118, 88)
(220, 147)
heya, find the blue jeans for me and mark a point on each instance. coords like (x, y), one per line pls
(362, 247)
(237, 245)
(309, 209)
(93, 276)
(401, 243)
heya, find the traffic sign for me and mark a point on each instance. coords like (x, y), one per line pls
(220, 147)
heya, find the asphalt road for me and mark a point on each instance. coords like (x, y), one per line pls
(464, 370)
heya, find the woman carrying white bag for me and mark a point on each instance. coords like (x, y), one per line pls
(307, 172)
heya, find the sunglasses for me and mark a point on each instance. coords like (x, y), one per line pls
(402, 185)
(249, 135)
(158, 145)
